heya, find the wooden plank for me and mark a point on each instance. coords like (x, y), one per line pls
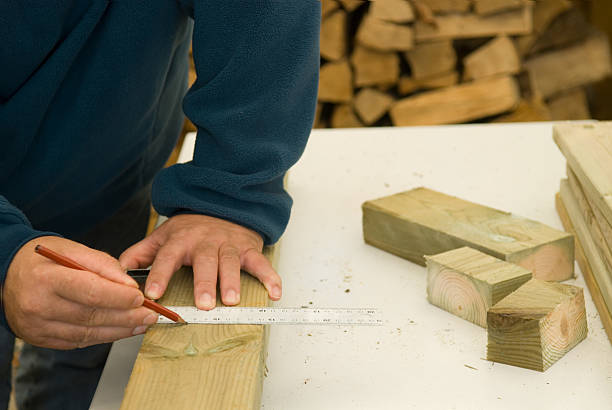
(333, 36)
(335, 82)
(396, 11)
(484, 7)
(588, 150)
(496, 57)
(467, 282)
(384, 36)
(371, 105)
(422, 222)
(536, 325)
(570, 105)
(469, 25)
(587, 270)
(374, 67)
(544, 12)
(201, 366)
(548, 80)
(460, 103)
(432, 59)
(527, 111)
(344, 117)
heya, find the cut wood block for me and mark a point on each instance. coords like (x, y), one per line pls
(496, 57)
(571, 105)
(201, 366)
(544, 12)
(461, 103)
(374, 67)
(469, 25)
(588, 270)
(384, 36)
(333, 36)
(527, 111)
(372, 104)
(408, 85)
(467, 282)
(536, 325)
(484, 7)
(397, 11)
(422, 222)
(350, 5)
(581, 64)
(424, 12)
(327, 6)
(447, 6)
(344, 117)
(588, 150)
(432, 59)
(335, 82)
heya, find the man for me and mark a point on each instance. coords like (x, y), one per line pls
(90, 94)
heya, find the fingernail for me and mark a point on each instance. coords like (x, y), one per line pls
(205, 300)
(138, 300)
(150, 319)
(139, 330)
(153, 291)
(276, 292)
(231, 298)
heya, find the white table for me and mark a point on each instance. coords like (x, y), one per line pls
(423, 358)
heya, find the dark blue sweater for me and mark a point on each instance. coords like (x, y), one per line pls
(90, 108)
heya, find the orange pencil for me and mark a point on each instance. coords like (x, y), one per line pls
(69, 263)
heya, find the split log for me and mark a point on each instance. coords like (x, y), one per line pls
(571, 105)
(496, 57)
(544, 12)
(447, 6)
(350, 5)
(344, 117)
(374, 67)
(431, 59)
(460, 103)
(384, 36)
(335, 82)
(328, 6)
(562, 70)
(484, 7)
(408, 85)
(567, 29)
(536, 325)
(422, 222)
(371, 105)
(467, 282)
(527, 111)
(396, 11)
(333, 36)
(469, 25)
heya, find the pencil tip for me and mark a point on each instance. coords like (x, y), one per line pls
(181, 320)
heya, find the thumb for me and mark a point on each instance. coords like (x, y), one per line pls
(141, 254)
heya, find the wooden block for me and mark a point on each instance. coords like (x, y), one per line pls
(396, 11)
(496, 57)
(384, 36)
(374, 67)
(527, 111)
(544, 12)
(570, 105)
(484, 7)
(371, 105)
(335, 82)
(457, 104)
(467, 282)
(344, 117)
(588, 269)
(432, 59)
(408, 85)
(547, 77)
(333, 36)
(350, 5)
(536, 325)
(469, 25)
(447, 6)
(328, 6)
(201, 366)
(424, 12)
(422, 222)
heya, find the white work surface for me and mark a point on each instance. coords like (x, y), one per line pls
(423, 358)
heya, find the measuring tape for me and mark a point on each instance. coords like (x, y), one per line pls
(277, 316)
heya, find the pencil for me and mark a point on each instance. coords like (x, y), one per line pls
(69, 263)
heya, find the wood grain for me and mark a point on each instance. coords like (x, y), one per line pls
(201, 366)
(432, 59)
(496, 57)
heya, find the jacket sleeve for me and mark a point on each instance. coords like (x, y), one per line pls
(15, 231)
(253, 103)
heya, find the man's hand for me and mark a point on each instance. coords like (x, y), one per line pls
(212, 247)
(49, 305)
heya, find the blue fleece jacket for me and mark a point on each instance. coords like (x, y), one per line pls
(90, 108)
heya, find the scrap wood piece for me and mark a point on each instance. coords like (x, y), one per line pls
(421, 222)
(544, 12)
(374, 67)
(496, 57)
(408, 85)
(469, 25)
(570, 105)
(333, 36)
(431, 59)
(344, 117)
(335, 82)
(201, 366)
(467, 282)
(384, 36)
(582, 64)
(536, 325)
(588, 269)
(371, 105)
(457, 104)
(484, 7)
(396, 11)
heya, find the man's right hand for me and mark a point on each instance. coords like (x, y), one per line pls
(49, 305)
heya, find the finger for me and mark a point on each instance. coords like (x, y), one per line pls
(101, 263)
(205, 264)
(141, 254)
(229, 274)
(167, 261)
(77, 314)
(259, 266)
(92, 290)
(83, 336)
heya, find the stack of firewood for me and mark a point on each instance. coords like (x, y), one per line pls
(415, 62)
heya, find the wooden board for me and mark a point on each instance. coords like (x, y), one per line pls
(422, 222)
(496, 57)
(460, 103)
(536, 325)
(383, 35)
(587, 269)
(467, 282)
(201, 366)
(333, 36)
(432, 59)
(570, 105)
(374, 67)
(335, 82)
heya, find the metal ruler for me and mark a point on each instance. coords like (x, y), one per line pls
(277, 316)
